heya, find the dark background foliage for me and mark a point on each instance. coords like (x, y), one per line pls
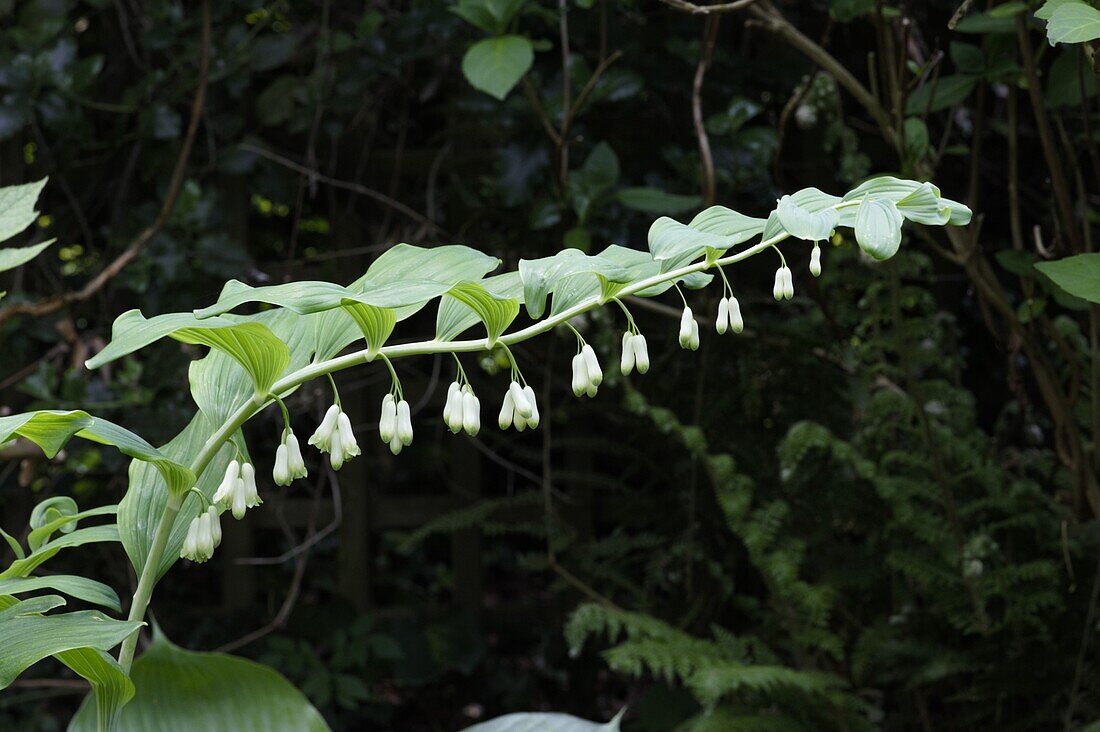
(871, 510)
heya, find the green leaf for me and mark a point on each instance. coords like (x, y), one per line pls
(1073, 22)
(28, 636)
(376, 323)
(544, 722)
(878, 228)
(1064, 82)
(183, 691)
(673, 244)
(923, 206)
(1047, 9)
(983, 23)
(805, 224)
(95, 534)
(491, 16)
(63, 521)
(111, 687)
(657, 202)
(495, 312)
(496, 65)
(640, 266)
(939, 94)
(736, 227)
(455, 317)
(81, 588)
(17, 210)
(541, 276)
(1078, 275)
(50, 430)
(13, 257)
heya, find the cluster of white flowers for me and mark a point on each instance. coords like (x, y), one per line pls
(784, 284)
(587, 374)
(204, 534)
(729, 316)
(635, 354)
(334, 436)
(689, 330)
(519, 408)
(289, 464)
(462, 410)
(395, 425)
(237, 491)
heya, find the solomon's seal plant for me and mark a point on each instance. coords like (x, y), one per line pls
(311, 330)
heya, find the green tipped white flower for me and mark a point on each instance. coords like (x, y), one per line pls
(222, 496)
(204, 534)
(784, 284)
(453, 409)
(322, 438)
(595, 373)
(237, 491)
(533, 420)
(344, 446)
(251, 492)
(815, 260)
(723, 321)
(471, 412)
(289, 464)
(280, 474)
(689, 331)
(737, 323)
(641, 353)
(215, 524)
(387, 424)
(519, 400)
(404, 423)
(580, 381)
(507, 411)
(626, 363)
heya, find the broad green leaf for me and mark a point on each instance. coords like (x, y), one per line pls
(878, 228)
(1064, 82)
(92, 535)
(13, 257)
(983, 23)
(1047, 9)
(314, 297)
(333, 331)
(495, 312)
(923, 206)
(737, 227)
(63, 521)
(81, 588)
(640, 266)
(657, 202)
(673, 244)
(252, 345)
(811, 200)
(544, 722)
(111, 687)
(17, 208)
(375, 323)
(941, 93)
(1078, 275)
(50, 430)
(495, 65)
(454, 317)
(27, 635)
(491, 16)
(805, 224)
(184, 691)
(541, 276)
(1073, 22)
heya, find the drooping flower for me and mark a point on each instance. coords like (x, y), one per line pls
(533, 419)
(404, 423)
(453, 412)
(204, 534)
(641, 353)
(519, 399)
(689, 331)
(295, 463)
(237, 492)
(344, 446)
(626, 363)
(322, 438)
(815, 260)
(387, 423)
(784, 284)
(507, 411)
(737, 323)
(595, 373)
(280, 474)
(581, 381)
(471, 411)
(723, 321)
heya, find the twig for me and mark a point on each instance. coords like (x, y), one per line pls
(694, 9)
(49, 305)
(346, 185)
(705, 156)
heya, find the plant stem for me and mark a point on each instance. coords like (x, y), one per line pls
(283, 386)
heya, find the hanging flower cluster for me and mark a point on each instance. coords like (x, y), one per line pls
(237, 492)
(204, 534)
(335, 436)
(462, 410)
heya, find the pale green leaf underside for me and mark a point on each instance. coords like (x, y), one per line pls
(183, 691)
(541, 276)
(495, 312)
(1073, 22)
(80, 588)
(13, 257)
(544, 722)
(455, 317)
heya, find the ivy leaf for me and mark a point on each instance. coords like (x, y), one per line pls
(17, 210)
(27, 635)
(181, 691)
(878, 228)
(495, 65)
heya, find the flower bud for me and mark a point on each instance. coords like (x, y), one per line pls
(736, 321)
(641, 353)
(533, 420)
(507, 411)
(404, 423)
(396, 445)
(626, 364)
(780, 284)
(723, 316)
(580, 375)
(685, 327)
(215, 524)
(471, 413)
(693, 339)
(280, 474)
(322, 438)
(454, 399)
(222, 495)
(595, 373)
(815, 260)
(519, 400)
(788, 283)
(337, 455)
(294, 461)
(387, 423)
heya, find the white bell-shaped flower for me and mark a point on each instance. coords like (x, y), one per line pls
(295, 463)
(815, 260)
(322, 438)
(689, 331)
(641, 353)
(737, 323)
(788, 283)
(224, 492)
(344, 446)
(507, 411)
(595, 373)
(404, 423)
(519, 399)
(453, 409)
(387, 423)
(215, 524)
(280, 474)
(626, 362)
(533, 420)
(471, 412)
(251, 492)
(203, 536)
(580, 375)
(780, 285)
(723, 321)
(336, 449)
(396, 445)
